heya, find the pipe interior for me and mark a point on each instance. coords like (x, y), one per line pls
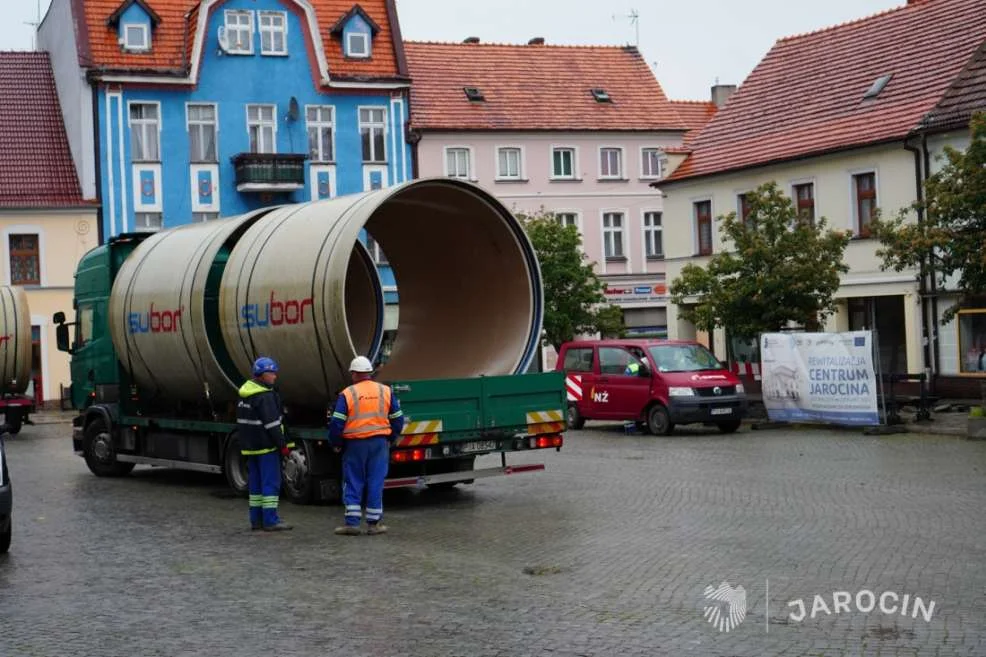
(466, 306)
(363, 302)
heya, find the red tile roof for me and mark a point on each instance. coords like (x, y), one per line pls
(694, 114)
(172, 38)
(36, 168)
(806, 96)
(534, 87)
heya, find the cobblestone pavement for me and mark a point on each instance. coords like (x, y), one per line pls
(608, 552)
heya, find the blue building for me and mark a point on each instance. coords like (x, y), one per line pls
(188, 110)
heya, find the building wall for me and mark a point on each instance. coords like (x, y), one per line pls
(64, 237)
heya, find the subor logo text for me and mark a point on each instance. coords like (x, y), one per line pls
(155, 321)
(274, 312)
(725, 606)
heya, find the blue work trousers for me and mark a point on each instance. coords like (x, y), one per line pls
(264, 473)
(364, 469)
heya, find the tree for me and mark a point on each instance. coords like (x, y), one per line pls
(573, 294)
(780, 269)
(950, 234)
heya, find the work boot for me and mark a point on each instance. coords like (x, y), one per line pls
(376, 528)
(348, 530)
(255, 526)
(279, 527)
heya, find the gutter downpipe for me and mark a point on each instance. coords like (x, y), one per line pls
(935, 318)
(926, 332)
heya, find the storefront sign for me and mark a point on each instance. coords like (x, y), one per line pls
(635, 292)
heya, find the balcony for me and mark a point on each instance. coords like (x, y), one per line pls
(269, 172)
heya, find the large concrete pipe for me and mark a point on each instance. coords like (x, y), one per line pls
(469, 285)
(15, 340)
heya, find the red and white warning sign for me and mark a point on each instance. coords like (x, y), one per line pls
(573, 386)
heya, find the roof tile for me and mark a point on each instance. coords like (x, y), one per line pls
(966, 96)
(695, 115)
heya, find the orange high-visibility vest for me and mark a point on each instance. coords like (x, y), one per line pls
(367, 407)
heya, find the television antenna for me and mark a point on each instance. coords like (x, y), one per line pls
(35, 24)
(634, 18)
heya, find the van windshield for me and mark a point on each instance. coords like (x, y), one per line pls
(683, 358)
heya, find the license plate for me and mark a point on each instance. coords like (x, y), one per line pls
(722, 411)
(479, 446)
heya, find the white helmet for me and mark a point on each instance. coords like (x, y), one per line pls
(361, 364)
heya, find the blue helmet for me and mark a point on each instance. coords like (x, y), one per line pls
(264, 364)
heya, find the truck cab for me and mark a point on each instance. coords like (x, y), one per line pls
(655, 383)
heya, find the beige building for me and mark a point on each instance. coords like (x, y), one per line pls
(857, 144)
(45, 224)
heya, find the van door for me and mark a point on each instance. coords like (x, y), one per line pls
(579, 377)
(618, 395)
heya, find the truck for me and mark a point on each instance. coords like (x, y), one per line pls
(167, 325)
(15, 358)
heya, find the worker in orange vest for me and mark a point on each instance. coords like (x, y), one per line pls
(366, 420)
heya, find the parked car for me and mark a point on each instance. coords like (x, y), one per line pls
(655, 383)
(6, 498)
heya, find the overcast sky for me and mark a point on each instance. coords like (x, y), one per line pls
(689, 43)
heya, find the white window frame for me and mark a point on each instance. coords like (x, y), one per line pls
(660, 163)
(146, 43)
(160, 216)
(320, 124)
(273, 30)
(144, 122)
(853, 209)
(521, 165)
(350, 51)
(373, 124)
(261, 124)
(621, 175)
(575, 162)
(189, 122)
(575, 213)
(470, 159)
(609, 230)
(238, 27)
(646, 230)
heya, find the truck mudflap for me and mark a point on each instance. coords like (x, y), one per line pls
(422, 481)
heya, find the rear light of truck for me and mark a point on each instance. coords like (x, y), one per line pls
(406, 455)
(544, 442)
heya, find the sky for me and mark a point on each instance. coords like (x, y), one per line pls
(689, 44)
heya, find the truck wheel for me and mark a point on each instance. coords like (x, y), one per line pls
(14, 420)
(658, 421)
(296, 476)
(729, 426)
(575, 419)
(6, 529)
(100, 455)
(235, 465)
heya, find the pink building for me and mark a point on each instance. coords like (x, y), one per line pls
(579, 131)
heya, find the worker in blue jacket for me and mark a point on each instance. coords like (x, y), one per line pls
(262, 442)
(366, 421)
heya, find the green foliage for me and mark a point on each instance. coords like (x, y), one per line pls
(573, 294)
(775, 269)
(977, 411)
(951, 234)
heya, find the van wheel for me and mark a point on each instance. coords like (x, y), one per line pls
(98, 450)
(729, 426)
(575, 419)
(658, 421)
(235, 465)
(6, 529)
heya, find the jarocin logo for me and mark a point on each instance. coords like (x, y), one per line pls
(726, 606)
(155, 321)
(274, 313)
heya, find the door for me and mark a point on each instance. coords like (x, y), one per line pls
(579, 377)
(37, 375)
(619, 395)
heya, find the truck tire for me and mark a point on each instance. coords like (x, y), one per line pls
(14, 419)
(297, 483)
(235, 466)
(728, 426)
(659, 421)
(6, 529)
(100, 455)
(575, 419)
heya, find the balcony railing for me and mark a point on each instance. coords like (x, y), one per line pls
(269, 172)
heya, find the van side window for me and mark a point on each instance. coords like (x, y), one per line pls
(578, 360)
(614, 360)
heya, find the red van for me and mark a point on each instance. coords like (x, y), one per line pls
(655, 383)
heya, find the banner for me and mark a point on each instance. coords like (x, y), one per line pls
(819, 377)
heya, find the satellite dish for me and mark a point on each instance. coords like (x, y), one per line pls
(293, 110)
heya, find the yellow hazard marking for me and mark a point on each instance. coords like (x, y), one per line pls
(423, 426)
(545, 416)
(545, 427)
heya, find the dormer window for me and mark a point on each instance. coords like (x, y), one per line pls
(357, 44)
(356, 31)
(136, 36)
(133, 21)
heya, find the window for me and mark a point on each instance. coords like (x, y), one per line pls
(25, 260)
(613, 235)
(144, 132)
(972, 340)
(611, 163)
(744, 211)
(357, 44)
(601, 96)
(563, 163)
(457, 163)
(650, 167)
(474, 94)
(147, 221)
(372, 130)
(321, 126)
(508, 163)
(864, 187)
(262, 128)
(86, 318)
(202, 133)
(239, 32)
(703, 226)
(614, 360)
(804, 199)
(204, 216)
(135, 37)
(273, 33)
(578, 360)
(653, 239)
(375, 251)
(567, 219)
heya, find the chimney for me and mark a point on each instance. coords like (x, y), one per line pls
(721, 93)
(536, 41)
(471, 40)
